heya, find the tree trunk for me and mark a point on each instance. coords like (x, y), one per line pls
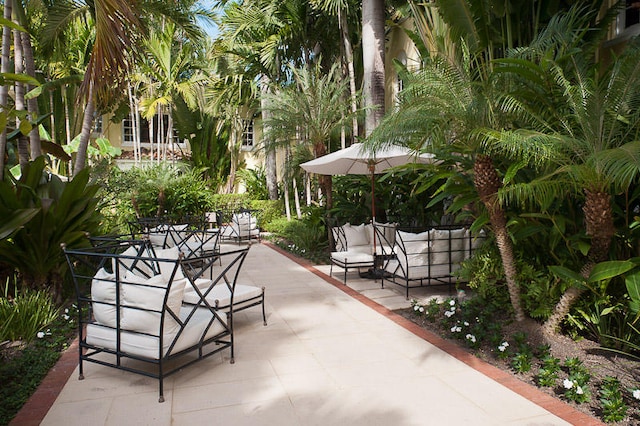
(373, 37)
(270, 153)
(85, 134)
(598, 217)
(487, 183)
(348, 56)
(32, 104)
(23, 142)
(296, 198)
(4, 89)
(287, 204)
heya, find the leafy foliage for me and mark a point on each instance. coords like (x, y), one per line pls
(66, 212)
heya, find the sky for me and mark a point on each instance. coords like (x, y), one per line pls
(208, 26)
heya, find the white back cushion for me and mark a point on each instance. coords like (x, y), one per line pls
(355, 235)
(103, 289)
(149, 293)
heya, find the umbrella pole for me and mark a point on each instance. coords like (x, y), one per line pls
(372, 167)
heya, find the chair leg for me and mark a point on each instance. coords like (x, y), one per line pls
(264, 315)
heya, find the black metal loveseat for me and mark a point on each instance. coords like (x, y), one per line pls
(413, 257)
(131, 312)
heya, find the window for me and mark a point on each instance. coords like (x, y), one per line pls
(628, 17)
(128, 130)
(247, 136)
(97, 123)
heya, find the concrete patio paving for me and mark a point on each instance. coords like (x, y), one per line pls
(330, 355)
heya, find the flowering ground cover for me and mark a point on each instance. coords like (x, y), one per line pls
(599, 383)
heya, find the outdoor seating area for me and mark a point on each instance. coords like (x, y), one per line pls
(336, 371)
(420, 257)
(408, 257)
(155, 305)
(238, 225)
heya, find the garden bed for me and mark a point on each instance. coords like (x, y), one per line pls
(599, 363)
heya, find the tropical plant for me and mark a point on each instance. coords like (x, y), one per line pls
(316, 99)
(66, 212)
(23, 316)
(590, 135)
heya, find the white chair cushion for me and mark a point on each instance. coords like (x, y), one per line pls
(221, 293)
(355, 235)
(352, 257)
(413, 236)
(103, 289)
(441, 252)
(149, 293)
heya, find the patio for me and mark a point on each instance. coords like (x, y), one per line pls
(331, 355)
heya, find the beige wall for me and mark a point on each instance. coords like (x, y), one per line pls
(399, 47)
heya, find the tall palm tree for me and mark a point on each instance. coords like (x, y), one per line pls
(269, 36)
(307, 112)
(344, 10)
(168, 73)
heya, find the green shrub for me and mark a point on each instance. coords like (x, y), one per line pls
(21, 373)
(268, 211)
(65, 213)
(22, 317)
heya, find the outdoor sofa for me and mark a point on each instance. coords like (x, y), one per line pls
(150, 311)
(419, 257)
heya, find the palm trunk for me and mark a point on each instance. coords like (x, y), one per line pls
(4, 89)
(598, 217)
(85, 134)
(348, 56)
(270, 153)
(296, 198)
(23, 142)
(373, 20)
(487, 183)
(32, 104)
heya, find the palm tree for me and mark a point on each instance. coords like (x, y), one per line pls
(306, 113)
(344, 10)
(168, 73)
(269, 36)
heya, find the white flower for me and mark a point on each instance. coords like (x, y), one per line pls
(421, 309)
(453, 329)
(568, 384)
(452, 302)
(502, 348)
(416, 307)
(636, 393)
(40, 334)
(66, 317)
(448, 314)
(505, 344)
(579, 390)
(453, 309)
(471, 337)
(466, 324)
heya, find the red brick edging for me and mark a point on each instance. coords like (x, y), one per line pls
(33, 411)
(533, 394)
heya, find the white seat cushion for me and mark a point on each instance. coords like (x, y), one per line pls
(221, 293)
(352, 256)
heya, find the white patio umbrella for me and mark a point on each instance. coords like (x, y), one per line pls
(356, 160)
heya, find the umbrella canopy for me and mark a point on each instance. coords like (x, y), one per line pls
(355, 160)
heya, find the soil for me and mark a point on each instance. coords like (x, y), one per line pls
(599, 362)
